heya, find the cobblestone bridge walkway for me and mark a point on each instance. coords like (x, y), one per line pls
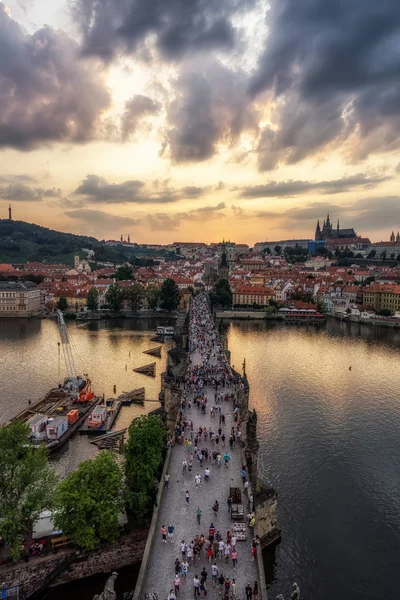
(207, 364)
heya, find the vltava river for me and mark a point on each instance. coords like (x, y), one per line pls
(330, 436)
(330, 445)
(31, 364)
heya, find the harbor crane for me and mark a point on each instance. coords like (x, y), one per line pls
(73, 380)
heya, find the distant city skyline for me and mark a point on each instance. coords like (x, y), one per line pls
(199, 120)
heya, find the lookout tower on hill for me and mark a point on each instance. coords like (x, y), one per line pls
(9, 213)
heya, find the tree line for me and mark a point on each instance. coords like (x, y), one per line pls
(87, 503)
(167, 297)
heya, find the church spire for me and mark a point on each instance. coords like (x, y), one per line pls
(392, 237)
(318, 232)
(338, 228)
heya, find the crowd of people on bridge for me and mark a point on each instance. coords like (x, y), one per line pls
(210, 383)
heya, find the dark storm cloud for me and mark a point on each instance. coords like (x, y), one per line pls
(46, 93)
(163, 222)
(99, 217)
(219, 206)
(96, 189)
(17, 179)
(275, 189)
(335, 68)
(192, 191)
(373, 214)
(173, 221)
(179, 27)
(19, 192)
(136, 109)
(210, 107)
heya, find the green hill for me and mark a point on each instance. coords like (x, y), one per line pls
(21, 242)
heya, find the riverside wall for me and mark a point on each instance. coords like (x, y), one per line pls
(69, 565)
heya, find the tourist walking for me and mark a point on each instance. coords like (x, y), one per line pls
(214, 574)
(164, 532)
(197, 480)
(178, 567)
(185, 569)
(166, 481)
(227, 587)
(203, 590)
(170, 532)
(171, 595)
(183, 548)
(234, 557)
(210, 554)
(233, 589)
(215, 508)
(221, 582)
(255, 590)
(221, 547)
(187, 496)
(177, 584)
(196, 586)
(227, 552)
(249, 591)
(198, 514)
(254, 550)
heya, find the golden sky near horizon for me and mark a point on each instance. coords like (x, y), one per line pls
(185, 120)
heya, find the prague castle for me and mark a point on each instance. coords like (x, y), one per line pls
(328, 232)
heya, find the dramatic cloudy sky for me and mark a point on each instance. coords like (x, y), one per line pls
(200, 119)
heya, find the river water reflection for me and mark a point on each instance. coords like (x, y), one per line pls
(329, 436)
(31, 364)
(330, 445)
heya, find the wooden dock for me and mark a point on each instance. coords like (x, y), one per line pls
(154, 351)
(149, 370)
(112, 415)
(110, 441)
(133, 397)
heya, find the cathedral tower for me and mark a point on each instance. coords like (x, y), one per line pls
(318, 232)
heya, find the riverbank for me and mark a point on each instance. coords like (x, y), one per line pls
(122, 314)
(235, 315)
(384, 322)
(246, 315)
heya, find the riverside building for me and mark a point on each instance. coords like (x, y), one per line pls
(19, 299)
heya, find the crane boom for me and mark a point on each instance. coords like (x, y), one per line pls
(66, 346)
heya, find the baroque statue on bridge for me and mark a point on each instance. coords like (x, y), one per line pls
(108, 592)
